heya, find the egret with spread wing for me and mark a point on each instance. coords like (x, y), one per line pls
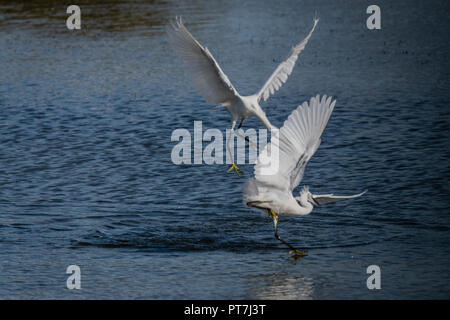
(296, 142)
(209, 79)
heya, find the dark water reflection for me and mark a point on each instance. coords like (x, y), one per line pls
(86, 177)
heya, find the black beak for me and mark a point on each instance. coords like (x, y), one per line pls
(314, 202)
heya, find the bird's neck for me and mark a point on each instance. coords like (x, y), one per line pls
(304, 206)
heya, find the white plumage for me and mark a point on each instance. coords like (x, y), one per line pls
(209, 79)
(296, 142)
(282, 72)
(207, 76)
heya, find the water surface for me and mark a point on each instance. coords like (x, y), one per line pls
(86, 176)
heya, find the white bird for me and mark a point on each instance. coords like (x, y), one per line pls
(209, 79)
(296, 142)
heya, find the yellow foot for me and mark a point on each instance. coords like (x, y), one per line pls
(297, 253)
(235, 168)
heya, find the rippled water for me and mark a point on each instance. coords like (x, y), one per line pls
(85, 141)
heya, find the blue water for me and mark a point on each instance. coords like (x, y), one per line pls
(86, 175)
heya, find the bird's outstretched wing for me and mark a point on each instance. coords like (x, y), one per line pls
(282, 72)
(326, 198)
(295, 143)
(207, 76)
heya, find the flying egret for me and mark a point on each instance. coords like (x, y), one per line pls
(209, 79)
(296, 142)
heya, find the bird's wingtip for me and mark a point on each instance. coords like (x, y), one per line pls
(316, 16)
(176, 22)
(179, 20)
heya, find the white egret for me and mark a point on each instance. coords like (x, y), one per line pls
(209, 79)
(296, 142)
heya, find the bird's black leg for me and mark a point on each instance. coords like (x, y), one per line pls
(240, 124)
(297, 253)
(245, 138)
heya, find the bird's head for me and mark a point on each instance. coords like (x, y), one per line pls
(305, 198)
